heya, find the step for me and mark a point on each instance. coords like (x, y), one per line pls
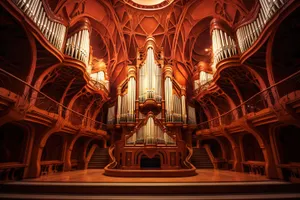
(213, 190)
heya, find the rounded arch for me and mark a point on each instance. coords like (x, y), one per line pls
(198, 41)
(287, 139)
(15, 141)
(251, 148)
(216, 146)
(13, 31)
(53, 148)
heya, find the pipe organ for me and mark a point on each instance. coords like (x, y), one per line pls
(131, 97)
(150, 79)
(151, 112)
(150, 134)
(99, 77)
(111, 115)
(248, 33)
(124, 108)
(78, 42)
(50, 26)
(191, 115)
(223, 46)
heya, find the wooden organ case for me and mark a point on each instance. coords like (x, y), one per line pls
(150, 119)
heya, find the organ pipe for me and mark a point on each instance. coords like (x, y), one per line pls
(249, 33)
(191, 115)
(168, 99)
(149, 77)
(223, 45)
(150, 134)
(111, 115)
(78, 43)
(131, 99)
(183, 106)
(53, 31)
(119, 106)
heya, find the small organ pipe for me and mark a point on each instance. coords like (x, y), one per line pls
(249, 33)
(223, 45)
(77, 46)
(35, 10)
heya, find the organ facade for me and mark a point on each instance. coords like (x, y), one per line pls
(151, 117)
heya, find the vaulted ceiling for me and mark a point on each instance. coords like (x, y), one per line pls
(181, 27)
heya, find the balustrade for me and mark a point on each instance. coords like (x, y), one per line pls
(53, 30)
(12, 171)
(254, 167)
(53, 166)
(254, 104)
(45, 107)
(248, 33)
(291, 172)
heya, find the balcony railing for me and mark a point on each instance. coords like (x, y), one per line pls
(44, 105)
(248, 33)
(257, 102)
(51, 28)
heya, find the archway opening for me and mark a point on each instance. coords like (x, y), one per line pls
(288, 138)
(252, 150)
(214, 146)
(286, 53)
(150, 163)
(53, 148)
(13, 141)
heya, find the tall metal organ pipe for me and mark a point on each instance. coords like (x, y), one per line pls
(149, 77)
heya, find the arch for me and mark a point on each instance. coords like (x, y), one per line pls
(216, 145)
(53, 148)
(13, 31)
(251, 148)
(287, 139)
(15, 142)
(281, 64)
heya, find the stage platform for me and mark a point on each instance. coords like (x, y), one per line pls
(97, 175)
(92, 184)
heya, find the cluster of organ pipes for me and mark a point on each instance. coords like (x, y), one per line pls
(150, 134)
(78, 46)
(191, 115)
(54, 31)
(131, 99)
(111, 115)
(204, 78)
(223, 45)
(177, 110)
(168, 99)
(126, 103)
(249, 33)
(100, 78)
(150, 79)
(123, 109)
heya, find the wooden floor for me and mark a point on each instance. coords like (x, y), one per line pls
(96, 175)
